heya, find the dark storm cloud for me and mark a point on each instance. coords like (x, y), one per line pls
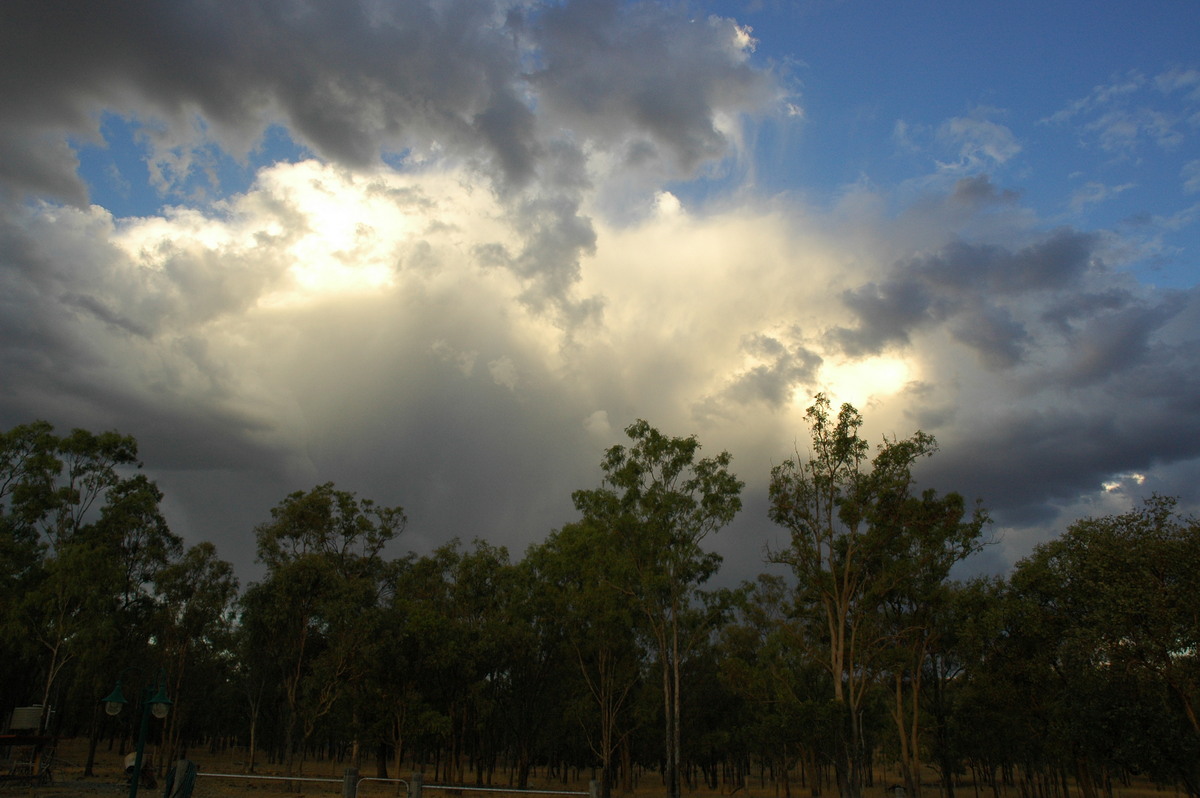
(354, 79)
(1117, 340)
(996, 337)
(1057, 261)
(886, 314)
(976, 288)
(1029, 462)
(612, 68)
(1125, 399)
(348, 78)
(980, 191)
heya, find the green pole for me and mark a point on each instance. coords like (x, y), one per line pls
(141, 744)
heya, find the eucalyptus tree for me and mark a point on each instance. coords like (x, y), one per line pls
(859, 538)
(660, 502)
(26, 462)
(774, 664)
(1116, 596)
(126, 551)
(53, 491)
(196, 599)
(317, 607)
(928, 536)
(410, 657)
(580, 567)
(481, 603)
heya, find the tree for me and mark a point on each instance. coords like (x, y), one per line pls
(772, 662)
(580, 565)
(53, 490)
(127, 549)
(660, 502)
(928, 536)
(1114, 598)
(196, 596)
(859, 539)
(319, 602)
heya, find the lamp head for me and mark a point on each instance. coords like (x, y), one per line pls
(160, 703)
(114, 700)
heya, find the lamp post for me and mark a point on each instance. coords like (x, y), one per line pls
(154, 702)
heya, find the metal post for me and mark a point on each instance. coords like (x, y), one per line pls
(414, 786)
(593, 789)
(141, 745)
(350, 783)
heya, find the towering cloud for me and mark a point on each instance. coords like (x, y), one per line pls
(441, 251)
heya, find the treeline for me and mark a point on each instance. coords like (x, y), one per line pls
(603, 652)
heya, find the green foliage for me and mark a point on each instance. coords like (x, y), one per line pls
(869, 558)
(317, 611)
(1110, 607)
(659, 502)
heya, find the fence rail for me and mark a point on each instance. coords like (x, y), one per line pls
(351, 782)
(514, 790)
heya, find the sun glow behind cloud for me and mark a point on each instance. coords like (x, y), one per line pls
(860, 382)
(347, 241)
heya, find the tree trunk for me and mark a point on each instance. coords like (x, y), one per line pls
(676, 747)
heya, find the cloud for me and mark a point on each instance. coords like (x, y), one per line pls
(380, 347)
(1191, 176)
(983, 291)
(979, 141)
(1093, 193)
(486, 261)
(1120, 117)
(536, 100)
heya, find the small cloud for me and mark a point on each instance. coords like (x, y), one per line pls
(1122, 482)
(667, 204)
(1093, 193)
(1179, 79)
(464, 361)
(1100, 97)
(979, 141)
(742, 37)
(1191, 176)
(504, 372)
(597, 424)
(902, 135)
(1119, 116)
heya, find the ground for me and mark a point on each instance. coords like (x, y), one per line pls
(109, 780)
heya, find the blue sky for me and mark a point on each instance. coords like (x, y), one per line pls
(443, 252)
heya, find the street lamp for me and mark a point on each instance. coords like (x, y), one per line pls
(154, 702)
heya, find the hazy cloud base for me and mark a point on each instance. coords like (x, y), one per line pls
(478, 278)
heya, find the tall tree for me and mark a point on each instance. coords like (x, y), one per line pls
(52, 490)
(928, 536)
(133, 544)
(196, 598)
(1114, 600)
(661, 502)
(773, 662)
(319, 601)
(856, 534)
(580, 567)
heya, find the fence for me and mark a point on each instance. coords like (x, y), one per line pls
(415, 787)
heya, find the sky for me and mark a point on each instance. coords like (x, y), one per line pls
(442, 252)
